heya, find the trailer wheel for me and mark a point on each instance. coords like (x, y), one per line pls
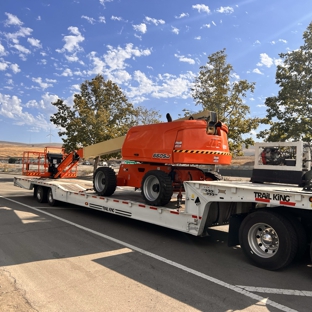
(41, 194)
(268, 239)
(51, 200)
(302, 237)
(156, 188)
(104, 181)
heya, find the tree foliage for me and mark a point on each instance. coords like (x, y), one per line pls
(215, 91)
(100, 112)
(147, 116)
(289, 113)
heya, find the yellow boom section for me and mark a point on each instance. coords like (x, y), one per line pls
(103, 148)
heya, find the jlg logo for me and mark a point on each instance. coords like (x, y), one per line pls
(161, 156)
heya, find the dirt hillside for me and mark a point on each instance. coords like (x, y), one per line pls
(12, 149)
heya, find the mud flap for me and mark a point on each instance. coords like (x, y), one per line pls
(235, 222)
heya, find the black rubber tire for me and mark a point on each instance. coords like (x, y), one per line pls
(156, 188)
(302, 237)
(256, 246)
(311, 251)
(50, 199)
(104, 181)
(41, 194)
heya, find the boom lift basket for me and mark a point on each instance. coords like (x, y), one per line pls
(44, 164)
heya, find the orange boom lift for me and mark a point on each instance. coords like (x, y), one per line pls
(162, 156)
(166, 155)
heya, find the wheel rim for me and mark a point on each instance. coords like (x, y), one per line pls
(100, 181)
(151, 188)
(263, 240)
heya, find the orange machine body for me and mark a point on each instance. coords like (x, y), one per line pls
(175, 148)
(178, 142)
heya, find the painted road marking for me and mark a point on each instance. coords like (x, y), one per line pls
(290, 292)
(167, 261)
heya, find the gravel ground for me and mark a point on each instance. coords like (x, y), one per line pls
(12, 299)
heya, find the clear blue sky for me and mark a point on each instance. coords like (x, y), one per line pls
(151, 49)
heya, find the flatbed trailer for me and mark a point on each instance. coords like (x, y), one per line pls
(271, 222)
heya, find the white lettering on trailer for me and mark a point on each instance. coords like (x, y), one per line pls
(211, 279)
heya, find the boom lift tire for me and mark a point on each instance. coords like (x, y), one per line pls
(50, 199)
(213, 176)
(41, 194)
(104, 181)
(156, 188)
(268, 239)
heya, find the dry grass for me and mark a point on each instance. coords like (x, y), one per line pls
(243, 161)
(16, 150)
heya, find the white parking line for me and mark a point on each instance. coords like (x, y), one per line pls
(290, 292)
(167, 261)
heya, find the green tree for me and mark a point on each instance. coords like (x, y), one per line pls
(100, 112)
(215, 91)
(289, 113)
(147, 116)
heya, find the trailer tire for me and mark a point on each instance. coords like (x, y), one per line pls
(213, 176)
(268, 239)
(104, 181)
(41, 194)
(156, 188)
(302, 237)
(50, 199)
